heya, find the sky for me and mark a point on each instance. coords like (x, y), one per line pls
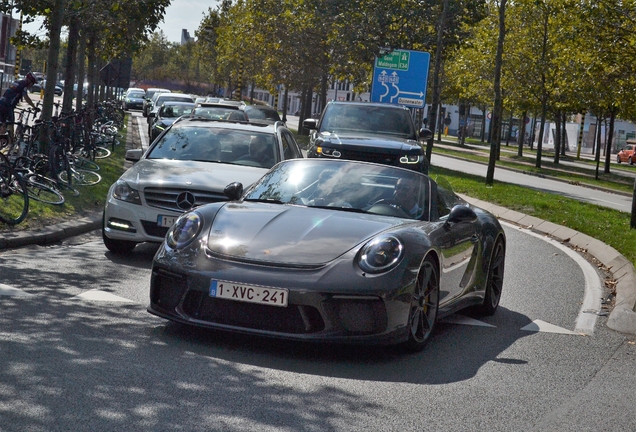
(181, 14)
(184, 14)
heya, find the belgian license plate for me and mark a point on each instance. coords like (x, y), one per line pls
(249, 293)
(166, 221)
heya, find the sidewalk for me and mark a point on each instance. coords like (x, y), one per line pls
(621, 319)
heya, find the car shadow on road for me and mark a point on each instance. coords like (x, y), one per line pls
(454, 353)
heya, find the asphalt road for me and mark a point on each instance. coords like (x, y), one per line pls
(79, 352)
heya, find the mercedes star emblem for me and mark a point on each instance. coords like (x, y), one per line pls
(185, 200)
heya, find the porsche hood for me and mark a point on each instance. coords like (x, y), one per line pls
(290, 235)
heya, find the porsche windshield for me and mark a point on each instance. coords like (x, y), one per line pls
(347, 186)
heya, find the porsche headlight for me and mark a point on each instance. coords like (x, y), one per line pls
(122, 191)
(381, 254)
(184, 230)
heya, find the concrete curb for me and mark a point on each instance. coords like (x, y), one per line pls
(623, 317)
(51, 234)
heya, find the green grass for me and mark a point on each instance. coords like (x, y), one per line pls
(609, 226)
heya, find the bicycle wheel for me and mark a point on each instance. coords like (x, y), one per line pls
(85, 164)
(58, 163)
(43, 189)
(80, 177)
(14, 198)
(101, 152)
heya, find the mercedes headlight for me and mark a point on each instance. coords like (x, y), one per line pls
(184, 230)
(123, 192)
(381, 254)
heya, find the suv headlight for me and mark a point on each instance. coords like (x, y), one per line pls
(123, 192)
(381, 254)
(326, 151)
(411, 159)
(184, 230)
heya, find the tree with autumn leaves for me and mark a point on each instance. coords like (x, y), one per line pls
(548, 59)
(99, 30)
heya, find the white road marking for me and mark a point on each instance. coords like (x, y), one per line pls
(544, 327)
(6, 290)
(585, 322)
(464, 320)
(97, 295)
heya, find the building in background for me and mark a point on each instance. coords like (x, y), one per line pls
(7, 51)
(185, 37)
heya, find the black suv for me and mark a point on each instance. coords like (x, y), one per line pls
(371, 132)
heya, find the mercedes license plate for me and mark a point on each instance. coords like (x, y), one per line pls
(166, 221)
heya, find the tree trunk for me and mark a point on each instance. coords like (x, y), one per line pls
(564, 134)
(324, 85)
(557, 138)
(544, 110)
(432, 116)
(522, 134)
(533, 130)
(81, 70)
(484, 111)
(509, 134)
(285, 96)
(498, 108)
(55, 27)
(71, 55)
(610, 139)
(597, 157)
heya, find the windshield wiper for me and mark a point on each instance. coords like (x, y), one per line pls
(267, 200)
(347, 209)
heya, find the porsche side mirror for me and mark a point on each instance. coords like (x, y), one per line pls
(233, 191)
(462, 213)
(425, 133)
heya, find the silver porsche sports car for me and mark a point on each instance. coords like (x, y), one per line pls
(331, 250)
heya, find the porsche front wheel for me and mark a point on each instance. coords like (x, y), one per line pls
(424, 306)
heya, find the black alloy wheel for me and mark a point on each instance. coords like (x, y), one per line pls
(494, 280)
(424, 306)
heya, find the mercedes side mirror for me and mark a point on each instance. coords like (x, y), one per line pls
(134, 155)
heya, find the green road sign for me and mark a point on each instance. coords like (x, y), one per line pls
(398, 60)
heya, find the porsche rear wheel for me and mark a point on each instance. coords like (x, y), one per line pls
(494, 280)
(424, 306)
